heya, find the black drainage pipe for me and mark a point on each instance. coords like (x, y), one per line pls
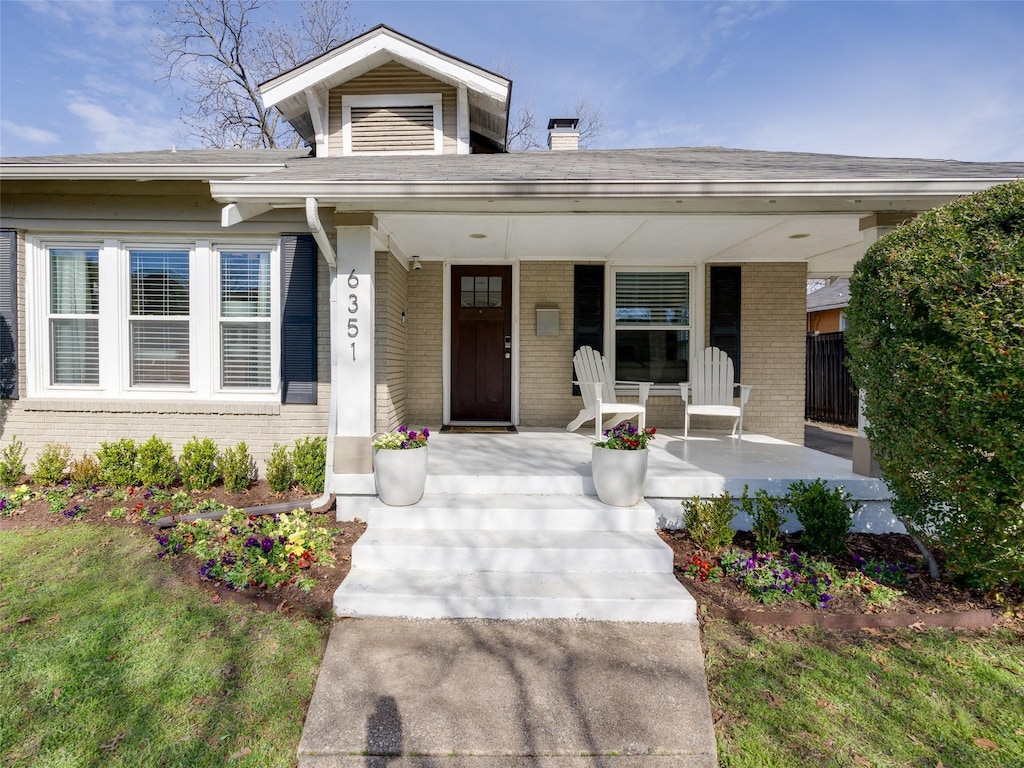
(267, 509)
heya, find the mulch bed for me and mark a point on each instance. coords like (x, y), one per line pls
(925, 602)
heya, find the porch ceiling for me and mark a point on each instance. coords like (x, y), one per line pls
(830, 244)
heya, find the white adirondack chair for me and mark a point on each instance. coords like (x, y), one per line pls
(710, 391)
(597, 386)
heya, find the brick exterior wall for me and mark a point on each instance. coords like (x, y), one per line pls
(84, 424)
(774, 316)
(545, 362)
(424, 355)
(391, 283)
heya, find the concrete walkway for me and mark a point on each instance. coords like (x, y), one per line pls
(478, 693)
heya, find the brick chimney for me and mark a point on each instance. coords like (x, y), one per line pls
(563, 133)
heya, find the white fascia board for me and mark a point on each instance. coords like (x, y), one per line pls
(420, 57)
(135, 172)
(326, 191)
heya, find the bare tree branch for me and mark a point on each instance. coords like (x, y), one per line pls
(526, 132)
(221, 50)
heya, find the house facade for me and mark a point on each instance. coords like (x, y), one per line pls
(407, 269)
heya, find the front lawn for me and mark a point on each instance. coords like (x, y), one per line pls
(813, 697)
(107, 660)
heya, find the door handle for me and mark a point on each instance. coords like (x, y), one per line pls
(508, 342)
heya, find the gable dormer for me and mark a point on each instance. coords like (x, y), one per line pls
(383, 93)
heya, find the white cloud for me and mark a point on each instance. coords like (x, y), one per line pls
(29, 133)
(119, 132)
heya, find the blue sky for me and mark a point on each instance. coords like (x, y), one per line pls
(919, 79)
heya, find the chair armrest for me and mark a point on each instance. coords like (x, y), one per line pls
(594, 386)
(643, 386)
(684, 387)
(744, 393)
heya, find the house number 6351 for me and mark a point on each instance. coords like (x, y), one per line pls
(353, 307)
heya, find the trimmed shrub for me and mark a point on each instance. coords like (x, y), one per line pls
(310, 459)
(12, 462)
(51, 464)
(280, 470)
(766, 516)
(825, 513)
(238, 468)
(117, 462)
(156, 464)
(86, 471)
(709, 521)
(936, 341)
(198, 464)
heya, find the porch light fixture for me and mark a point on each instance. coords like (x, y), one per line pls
(416, 263)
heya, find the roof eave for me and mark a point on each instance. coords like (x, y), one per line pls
(277, 190)
(217, 172)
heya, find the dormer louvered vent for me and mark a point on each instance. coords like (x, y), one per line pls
(401, 123)
(393, 129)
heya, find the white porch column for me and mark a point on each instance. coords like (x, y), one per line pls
(872, 227)
(353, 339)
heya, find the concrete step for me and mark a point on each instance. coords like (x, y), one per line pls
(645, 597)
(510, 513)
(513, 551)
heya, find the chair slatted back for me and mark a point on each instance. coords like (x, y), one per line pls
(713, 381)
(590, 365)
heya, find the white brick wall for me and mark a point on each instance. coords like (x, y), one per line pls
(424, 321)
(391, 283)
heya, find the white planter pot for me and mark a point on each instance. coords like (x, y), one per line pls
(400, 475)
(619, 475)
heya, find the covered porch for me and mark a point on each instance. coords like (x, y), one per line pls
(553, 462)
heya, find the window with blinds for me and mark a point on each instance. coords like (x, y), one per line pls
(245, 320)
(74, 316)
(652, 326)
(393, 129)
(158, 322)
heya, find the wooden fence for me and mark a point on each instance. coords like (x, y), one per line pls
(830, 394)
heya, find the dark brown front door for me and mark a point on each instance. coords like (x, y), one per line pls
(481, 343)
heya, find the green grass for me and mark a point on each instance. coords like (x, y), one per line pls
(117, 664)
(899, 698)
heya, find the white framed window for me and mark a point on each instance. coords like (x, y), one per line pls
(148, 318)
(651, 324)
(244, 319)
(392, 124)
(73, 316)
(159, 317)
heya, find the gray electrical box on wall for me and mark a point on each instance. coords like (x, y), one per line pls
(547, 319)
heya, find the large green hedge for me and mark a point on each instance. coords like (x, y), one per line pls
(936, 338)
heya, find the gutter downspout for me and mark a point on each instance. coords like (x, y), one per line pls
(324, 243)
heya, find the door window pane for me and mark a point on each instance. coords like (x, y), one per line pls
(480, 291)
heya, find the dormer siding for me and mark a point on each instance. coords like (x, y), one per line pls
(392, 79)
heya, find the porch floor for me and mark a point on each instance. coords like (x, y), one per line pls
(553, 461)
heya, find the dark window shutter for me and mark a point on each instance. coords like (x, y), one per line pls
(8, 314)
(298, 319)
(725, 312)
(588, 310)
